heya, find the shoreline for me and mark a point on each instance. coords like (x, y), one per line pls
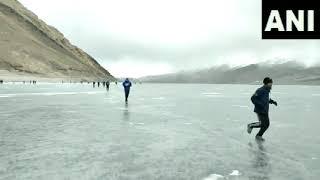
(7, 76)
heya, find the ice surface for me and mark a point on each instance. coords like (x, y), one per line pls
(165, 132)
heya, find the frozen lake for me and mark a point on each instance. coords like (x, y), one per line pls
(166, 132)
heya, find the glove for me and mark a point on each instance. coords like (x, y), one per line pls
(274, 102)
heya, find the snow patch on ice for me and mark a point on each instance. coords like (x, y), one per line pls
(218, 176)
(240, 106)
(132, 124)
(213, 177)
(71, 111)
(214, 96)
(277, 92)
(211, 93)
(54, 94)
(158, 98)
(121, 108)
(93, 92)
(315, 94)
(46, 94)
(235, 173)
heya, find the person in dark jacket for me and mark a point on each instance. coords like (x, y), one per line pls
(127, 85)
(108, 85)
(261, 101)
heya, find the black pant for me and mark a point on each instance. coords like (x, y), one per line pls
(263, 123)
(126, 92)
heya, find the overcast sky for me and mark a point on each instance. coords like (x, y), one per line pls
(147, 37)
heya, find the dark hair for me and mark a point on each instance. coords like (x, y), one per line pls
(267, 80)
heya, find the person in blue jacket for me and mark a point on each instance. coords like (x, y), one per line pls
(261, 101)
(127, 85)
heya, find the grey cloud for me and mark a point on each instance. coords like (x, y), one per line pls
(246, 37)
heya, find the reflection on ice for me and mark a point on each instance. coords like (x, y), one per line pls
(260, 162)
(126, 113)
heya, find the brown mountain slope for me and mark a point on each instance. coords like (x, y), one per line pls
(29, 47)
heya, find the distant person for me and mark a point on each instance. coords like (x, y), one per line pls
(261, 102)
(94, 84)
(108, 85)
(98, 84)
(1, 81)
(104, 84)
(116, 82)
(127, 85)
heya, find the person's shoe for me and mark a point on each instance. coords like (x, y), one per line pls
(259, 138)
(249, 129)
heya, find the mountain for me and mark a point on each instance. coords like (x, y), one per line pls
(31, 48)
(283, 73)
